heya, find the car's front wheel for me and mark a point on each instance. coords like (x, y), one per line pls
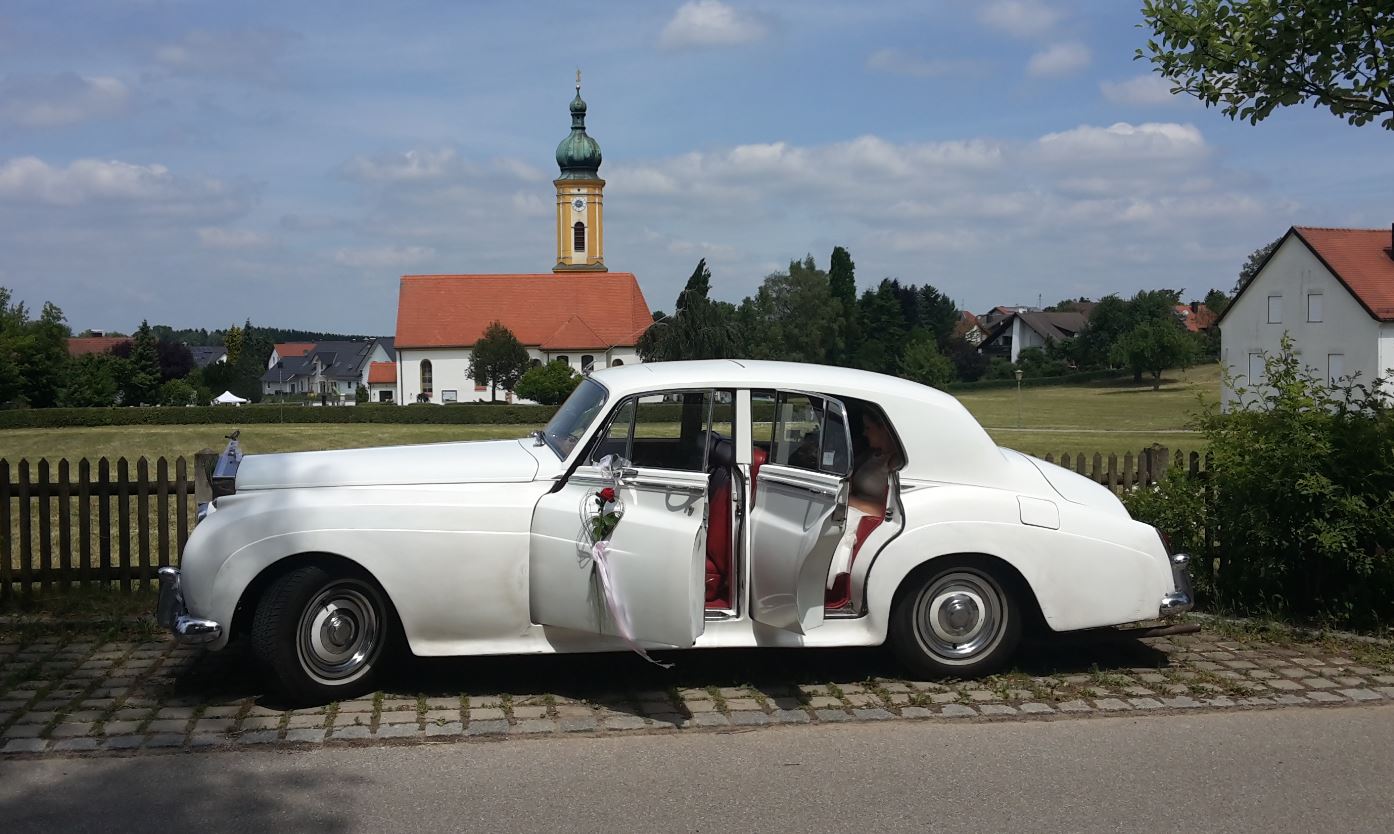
(322, 634)
(955, 618)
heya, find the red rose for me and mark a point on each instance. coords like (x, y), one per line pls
(607, 494)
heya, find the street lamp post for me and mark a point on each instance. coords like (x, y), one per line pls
(1018, 398)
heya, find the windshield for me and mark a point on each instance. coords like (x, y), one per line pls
(574, 417)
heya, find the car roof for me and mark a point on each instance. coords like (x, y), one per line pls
(763, 373)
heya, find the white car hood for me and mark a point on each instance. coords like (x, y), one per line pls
(485, 461)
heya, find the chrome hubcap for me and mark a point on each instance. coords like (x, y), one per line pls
(339, 631)
(959, 616)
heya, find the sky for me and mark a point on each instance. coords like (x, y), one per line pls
(197, 164)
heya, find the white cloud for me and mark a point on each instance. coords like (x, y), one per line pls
(1059, 59)
(1019, 18)
(150, 189)
(1142, 90)
(215, 237)
(701, 23)
(38, 101)
(903, 62)
(383, 257)
(247, 54)
(1147, 142)
(411, 166)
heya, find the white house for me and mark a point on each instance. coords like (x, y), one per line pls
(585, 319)
(327, 372)
(1332, 290)
(1032, 328)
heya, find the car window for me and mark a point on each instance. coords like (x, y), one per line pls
(574, 417)
(800, 430)
(667, 430)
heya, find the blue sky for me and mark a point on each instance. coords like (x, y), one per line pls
(201, 163)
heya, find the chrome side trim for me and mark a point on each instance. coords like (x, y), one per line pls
(767, 476)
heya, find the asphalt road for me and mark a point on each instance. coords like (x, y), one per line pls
(1296, 770)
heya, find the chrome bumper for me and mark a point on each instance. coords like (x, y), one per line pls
(170, 613)
(1181, 600)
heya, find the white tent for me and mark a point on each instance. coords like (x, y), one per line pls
(228, 398)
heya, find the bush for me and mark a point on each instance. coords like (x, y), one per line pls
(177, 392)
(549, 383)
(1301, 498)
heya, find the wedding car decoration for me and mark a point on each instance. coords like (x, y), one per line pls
(723, 503)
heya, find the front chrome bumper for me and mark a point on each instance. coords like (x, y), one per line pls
(1182, 599)
(170, 613)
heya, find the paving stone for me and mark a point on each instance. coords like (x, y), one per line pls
(26, 745)
(916, 712)
(395, 731)
(259, 737)
(739, 704)
(1111, 704)
(306, 722)
(627, 722)
(703, 719)
(24, 731)
(231, 711)
(1219, 701)
(1284, 684)
(87, 715)
(123, 742)
(1036, 708)
(1318, 683)
(206, 740)
(1145, 703)
(1386, 691)
(1388, 680)
(73, 745)
(261, 723)
(486, 714)
(84, 729)
(37, 717)
(359, 705)
(749, 718)
(581, 723)
(434, 715)
(983, 695)
(165, 740)
(167, 726)
(824, 702)
(524, 712)
(1347, 680)
(1325, 697)
(696, 707)
(789, 716)
(943, 697)
(533, 726)
(491, 727)
(583, 711)
(175, 712)
(1361, 694)
(1075, 706)
(214, 725)
(356, 732)
(957, 711)
(997, 709)
(448, 728)
(1181, 702)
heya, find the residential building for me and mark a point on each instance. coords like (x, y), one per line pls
(288, 350)
(328, 372)
(1196, 317)
(205, 355)
(1025, 329)
(84, 345)
(382, 382)
(970, 329)
(580, 313)
(1332, 291)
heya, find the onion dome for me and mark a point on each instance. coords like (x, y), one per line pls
(578, 155)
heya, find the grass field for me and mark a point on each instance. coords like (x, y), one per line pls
(1106, 417)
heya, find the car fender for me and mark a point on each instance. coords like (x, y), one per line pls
(1095, 569)
(452, 560)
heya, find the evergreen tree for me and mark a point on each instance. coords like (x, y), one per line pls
(1217, 302)
(233, 340)
(938, 314)
(45, 357)
(792, 316)
(881, 319)
(498, 359)
(700, 328)
(91, 381)
(842, 283)
(141, 385)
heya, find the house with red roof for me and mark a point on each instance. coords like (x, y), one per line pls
(580, 313)
(1332, 291)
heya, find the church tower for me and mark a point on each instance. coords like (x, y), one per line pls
(580, 203)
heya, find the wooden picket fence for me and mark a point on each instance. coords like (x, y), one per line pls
(111, 525)
(104, 524)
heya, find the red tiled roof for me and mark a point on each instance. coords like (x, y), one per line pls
(549, 311)
(1198, 320)
(288, 349)
(94, 344)
(382, 373)
(1360, 259)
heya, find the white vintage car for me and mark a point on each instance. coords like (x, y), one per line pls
(733, 481)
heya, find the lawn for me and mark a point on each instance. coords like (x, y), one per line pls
(1106, 417)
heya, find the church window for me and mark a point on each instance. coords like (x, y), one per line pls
(617, 363)
(587, 363)
(564, 359)
(578, 237)
(426, 376)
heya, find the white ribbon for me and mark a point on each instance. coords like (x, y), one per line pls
(611, 466)
(618, 612)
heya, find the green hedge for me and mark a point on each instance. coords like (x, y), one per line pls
(49, 418)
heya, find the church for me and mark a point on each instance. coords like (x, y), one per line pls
(580, 313)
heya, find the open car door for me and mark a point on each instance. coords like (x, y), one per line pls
(799, 511)
(657, 552)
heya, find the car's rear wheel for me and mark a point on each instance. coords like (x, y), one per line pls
(323, 634)
(956, 618)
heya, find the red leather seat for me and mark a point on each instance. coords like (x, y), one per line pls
(718, 587)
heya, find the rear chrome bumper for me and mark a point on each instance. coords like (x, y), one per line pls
(1181, 600)
(170, 613)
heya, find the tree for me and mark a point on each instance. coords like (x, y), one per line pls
(1216, 302)
(937, 313)
(178, 392)
(90, 381)
(842, 283)
(699, 328)
(141, 385)
(498, 359)
(923, 363)
(792, 316)
(1154, 346)
(969, 364)
(1251, 57)
(45, 357)
(881, 319)
(548, 383)
(234, 340)
(1252, 265)
(361, 394)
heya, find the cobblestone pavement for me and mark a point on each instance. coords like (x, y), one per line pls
(76, 694)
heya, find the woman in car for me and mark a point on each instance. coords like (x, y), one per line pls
(874, 456)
